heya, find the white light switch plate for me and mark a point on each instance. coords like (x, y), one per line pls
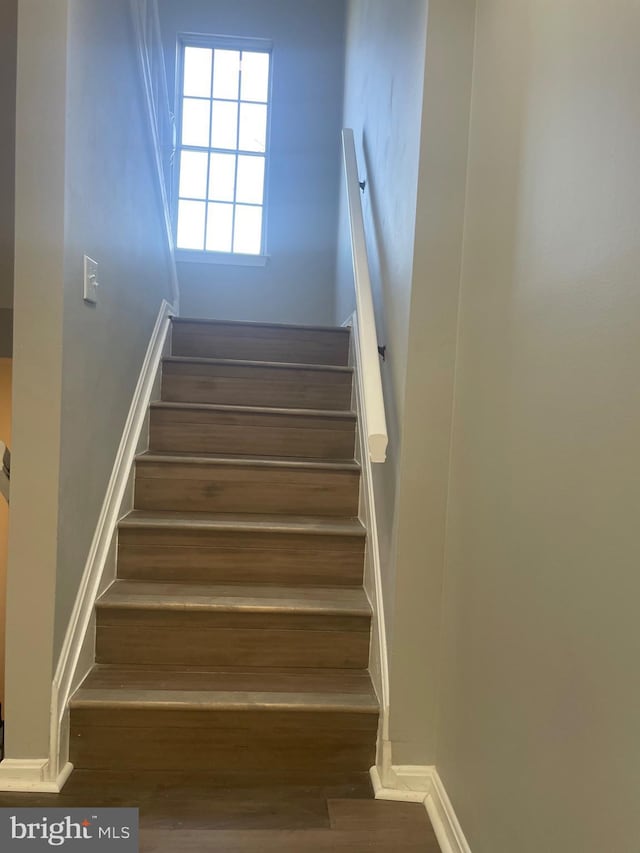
(90, 293)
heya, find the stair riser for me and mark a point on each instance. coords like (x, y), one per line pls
(162, 751)
(181, 617)
(256, 386)
(232, 724)
(242, 488)
(256, 343)
(189, 431)
(209, 647)
(179, 749)
(240, 565)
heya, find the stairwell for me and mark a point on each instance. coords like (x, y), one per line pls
(236, 636)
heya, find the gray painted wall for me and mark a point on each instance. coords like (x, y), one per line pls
(383, 104)
(8, 59)
(113, 215)
(407, 96)
(513, 582)
(538, 740)
(429, 387)
(297, 286)
(85, 184)
(37, 376)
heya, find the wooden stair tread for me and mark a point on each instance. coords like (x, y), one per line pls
(163, 405)
(177, 321)
(241, 522)
(243, 362)
(249, 461)
(267, 689)
(244, 598)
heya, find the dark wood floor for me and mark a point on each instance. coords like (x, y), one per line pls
(199, 813)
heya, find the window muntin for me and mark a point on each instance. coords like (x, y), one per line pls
(222, 166)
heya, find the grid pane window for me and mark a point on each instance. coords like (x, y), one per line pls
(223, 149)
(253, 127)
(222, 177)
(255, 77)
(193, 174)
(191, 224)
(227, 76)
(248, 229)
(250, 182)
(224, 126)
(197, 72)
(220, 228)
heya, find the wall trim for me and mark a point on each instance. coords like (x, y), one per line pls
(150, 51)
(66, 670)
(32, 776)
(444, 819)
(412, 788)
(422, 784)
(373, 549)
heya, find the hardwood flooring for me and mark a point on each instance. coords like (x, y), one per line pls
(197, 813)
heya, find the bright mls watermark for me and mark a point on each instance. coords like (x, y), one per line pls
(79, 830)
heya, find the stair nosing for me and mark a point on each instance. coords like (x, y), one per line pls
(169, 669)
(206, 598)
(314, 525)
(154, 457)
(276, 365)
(223, 700)
(258, 324)
(266, 410)
(243, 609)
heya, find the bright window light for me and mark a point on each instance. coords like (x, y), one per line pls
(223, 136)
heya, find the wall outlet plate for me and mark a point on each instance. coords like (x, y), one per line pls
(90, 292)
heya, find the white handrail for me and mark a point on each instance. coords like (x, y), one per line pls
(367, 341)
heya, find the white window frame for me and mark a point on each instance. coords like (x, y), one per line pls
(208, 256)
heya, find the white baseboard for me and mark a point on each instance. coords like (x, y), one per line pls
(417, 784)
(411, 787)
(32, 776)
(444, 819)
(67, 671)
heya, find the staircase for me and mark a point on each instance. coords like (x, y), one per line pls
(236, 636)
